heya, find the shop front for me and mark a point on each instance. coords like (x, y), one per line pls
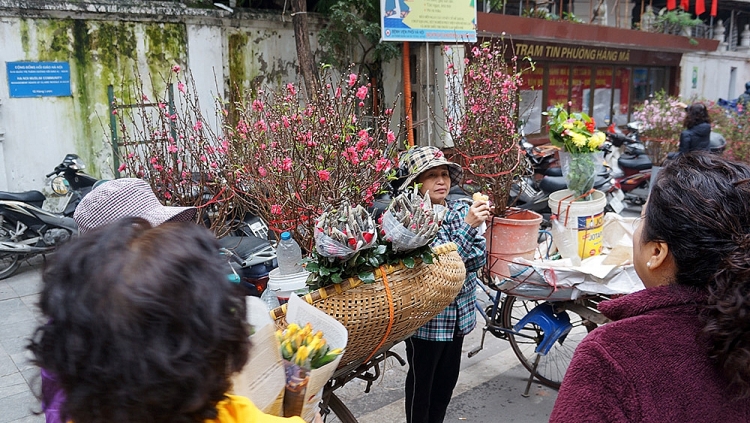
(603, 82)
(603, 71)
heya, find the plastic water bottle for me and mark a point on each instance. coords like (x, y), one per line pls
(289, 255)
(270, 299)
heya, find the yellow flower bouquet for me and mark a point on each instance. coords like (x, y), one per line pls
(576, 134)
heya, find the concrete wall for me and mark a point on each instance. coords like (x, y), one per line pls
(110, 43)
(712, 73)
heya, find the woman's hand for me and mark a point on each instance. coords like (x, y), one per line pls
(478, 213)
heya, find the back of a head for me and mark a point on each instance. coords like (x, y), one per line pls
(696, 114)
(700, 206)
(747, 86)
(143, 326)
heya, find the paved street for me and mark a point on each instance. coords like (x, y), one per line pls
(18, 296)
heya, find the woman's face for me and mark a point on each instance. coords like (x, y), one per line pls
(437, 181)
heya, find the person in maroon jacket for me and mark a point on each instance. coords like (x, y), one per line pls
(678, 351)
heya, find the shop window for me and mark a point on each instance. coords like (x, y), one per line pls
(602, 96)
(622, 96)
(657, 80)
(640, 85)
(530, 108)
(559, 85)
(580, 89)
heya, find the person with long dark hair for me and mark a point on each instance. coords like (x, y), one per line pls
(678, 351)
(697, 133)
(142, 326)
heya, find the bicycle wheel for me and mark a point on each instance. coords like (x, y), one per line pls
(551, 367)
(9, 262)
(337, 412)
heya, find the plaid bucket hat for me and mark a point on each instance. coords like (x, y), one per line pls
(126, 197)
(419, 159)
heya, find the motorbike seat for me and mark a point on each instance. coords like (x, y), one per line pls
(244, 246)
(553, 171)
(634, 162)
(35, 198)
(552, 183)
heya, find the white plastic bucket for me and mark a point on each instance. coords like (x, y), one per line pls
(286, 285)
(584, 218)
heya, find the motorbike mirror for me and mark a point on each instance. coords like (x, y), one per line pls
(59, 185)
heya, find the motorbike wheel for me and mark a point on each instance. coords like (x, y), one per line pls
(9, 262)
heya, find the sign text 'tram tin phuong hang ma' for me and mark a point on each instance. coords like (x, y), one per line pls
(541, 51)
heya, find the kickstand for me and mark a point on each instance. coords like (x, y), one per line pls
(476, 350)
(531, 376)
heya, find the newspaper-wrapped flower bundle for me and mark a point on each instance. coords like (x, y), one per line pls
(411, 221)
(341, 232)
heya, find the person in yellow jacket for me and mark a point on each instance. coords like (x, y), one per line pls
(142, 326)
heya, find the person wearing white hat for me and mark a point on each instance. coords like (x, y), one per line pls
(126, 197)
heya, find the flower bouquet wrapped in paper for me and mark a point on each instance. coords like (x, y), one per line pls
(341, 232)
(411, 221)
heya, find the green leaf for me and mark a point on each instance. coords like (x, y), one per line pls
(312, 266)
(324, 271)
(367, 277)
(380, 249)
(374, 261)
(427, 258)
(336, 278)
(409, 262)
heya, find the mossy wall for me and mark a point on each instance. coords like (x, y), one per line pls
(117, 47)
(103, 53)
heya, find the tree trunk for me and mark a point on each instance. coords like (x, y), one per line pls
(304, 54)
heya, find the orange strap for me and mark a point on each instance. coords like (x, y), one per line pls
(390, 314)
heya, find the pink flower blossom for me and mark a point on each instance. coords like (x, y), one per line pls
(257, 106)
(390, 137)
(382, 164)
(286, 164)
(324, 175)
(181, 87)
(260, 125)
(362, 92)
(276, 209)
(198, 126)
(154, 160)
(176, 68)
(352, 79)
(203, 158)
(338, 92)
(172, 149)
(122, 167)
(285, 121)
(262, 171)
(292, 90)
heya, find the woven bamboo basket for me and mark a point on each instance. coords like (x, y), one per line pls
(382, 313)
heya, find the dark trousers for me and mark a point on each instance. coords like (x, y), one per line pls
(433, 373)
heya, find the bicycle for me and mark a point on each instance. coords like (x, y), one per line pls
(543, 330)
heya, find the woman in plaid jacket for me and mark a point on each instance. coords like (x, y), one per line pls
(434, 351)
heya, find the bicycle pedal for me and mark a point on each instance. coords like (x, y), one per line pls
(474, 352)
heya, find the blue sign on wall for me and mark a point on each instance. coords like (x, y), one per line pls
(39, 79)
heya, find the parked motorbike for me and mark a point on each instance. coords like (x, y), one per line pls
(636, 165)
(32, 223)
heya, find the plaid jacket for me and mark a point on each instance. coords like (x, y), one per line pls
(471, 247)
